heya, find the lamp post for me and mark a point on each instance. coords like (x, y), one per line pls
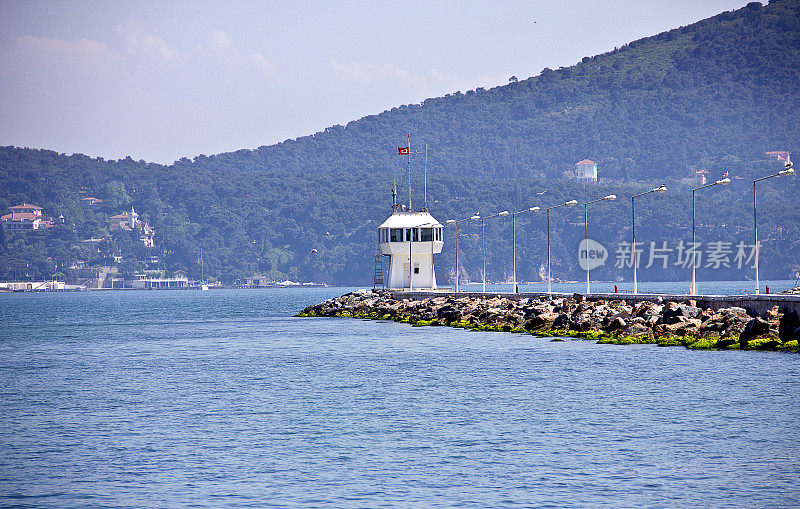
(454, 222)
(514, 244)
(483, 242)
(660, 189)
(723, 182)
(610, 197)
(549, 279)
(787, 171)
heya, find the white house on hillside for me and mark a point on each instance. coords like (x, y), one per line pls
(586, 171)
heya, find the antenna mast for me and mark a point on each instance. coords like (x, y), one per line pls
(425, 203)
(406, 151)
(394, 189)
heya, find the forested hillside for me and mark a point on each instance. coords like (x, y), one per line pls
(714, 95)
(727, 85)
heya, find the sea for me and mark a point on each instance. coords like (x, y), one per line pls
(223, 399)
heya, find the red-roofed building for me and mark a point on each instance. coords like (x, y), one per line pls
(778, 155)
(586, 171)
(26, 208)
(24, 217)
(89, 203)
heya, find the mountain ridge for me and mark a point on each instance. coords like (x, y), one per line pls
(560, 108)
(709, 95)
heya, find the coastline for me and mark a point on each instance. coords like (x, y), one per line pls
(692, 323)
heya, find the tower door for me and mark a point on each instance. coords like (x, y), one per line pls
(407, 274)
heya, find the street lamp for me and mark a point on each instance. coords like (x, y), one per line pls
(660, 189)
(724, 182)
(453, 221)
(610, 197)
(514, 243)
(787, 171)
(483, 242)
(570, 203)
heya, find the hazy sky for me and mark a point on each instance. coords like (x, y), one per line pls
(162, 80)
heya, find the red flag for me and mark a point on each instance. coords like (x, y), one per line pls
(402, 151)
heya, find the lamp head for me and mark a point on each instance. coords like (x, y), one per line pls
(787, 171)
(450, 221)
(476, 217)
(610, 197)
(788, 165)
(724, 181)
(503, 213)
(534, 209)
(572, 202)
(660, 189)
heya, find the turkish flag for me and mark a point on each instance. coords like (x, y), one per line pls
(402, 151)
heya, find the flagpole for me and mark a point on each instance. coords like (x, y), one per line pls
(406, 151)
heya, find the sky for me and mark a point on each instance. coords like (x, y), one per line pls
(162, 80)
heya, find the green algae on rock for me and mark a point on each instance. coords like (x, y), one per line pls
(611, 322)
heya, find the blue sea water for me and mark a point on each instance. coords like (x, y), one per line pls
(222, 399)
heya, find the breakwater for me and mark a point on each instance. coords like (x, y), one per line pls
(703, 323)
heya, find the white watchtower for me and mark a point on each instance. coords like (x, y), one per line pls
(411, 239)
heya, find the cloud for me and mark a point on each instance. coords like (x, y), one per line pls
(224, 52)
(219, 41)
(83, 56)
(148, 44)
(430, 84)
(368, 73)
(261, 62)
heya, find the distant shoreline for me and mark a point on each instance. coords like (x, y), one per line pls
(222, 287)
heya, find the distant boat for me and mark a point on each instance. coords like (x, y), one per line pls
(205, 286)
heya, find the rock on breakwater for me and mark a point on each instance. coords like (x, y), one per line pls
(672, 323)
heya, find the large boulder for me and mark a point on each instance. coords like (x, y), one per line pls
(448, 314)
(561, 321)
(542, 321)
(616, 323)
(580, 322)
(789, 326)
(728, 322)
(680, 313)
(754, 328)
(643, 308)
(637, 329)
(686, 327)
